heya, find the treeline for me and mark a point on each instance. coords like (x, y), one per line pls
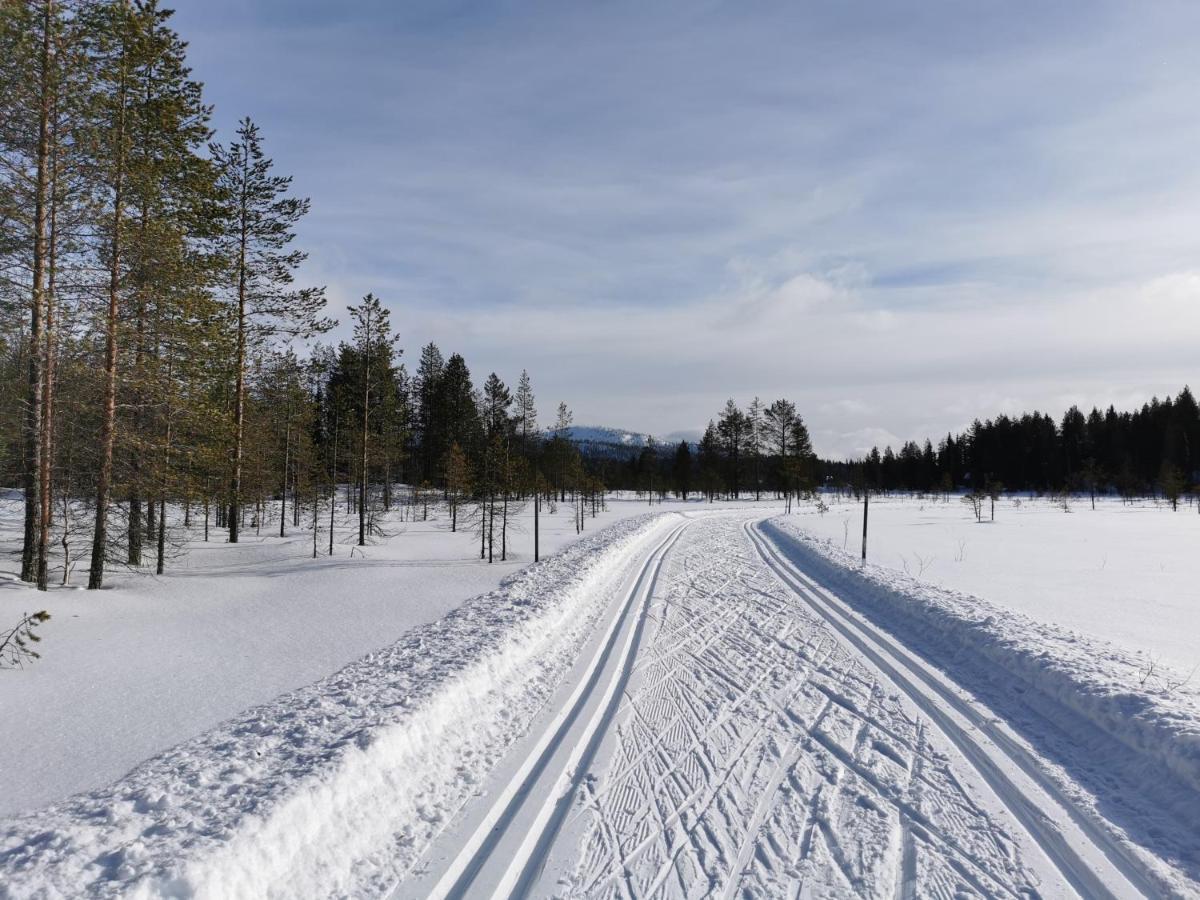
(744, 452)
(1155, 449)
(149, 311)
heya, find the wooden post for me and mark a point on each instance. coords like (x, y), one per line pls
(537, 502)
(866, 506)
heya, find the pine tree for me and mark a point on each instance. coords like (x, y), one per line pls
(754, 443)
(497, 399)
(40, 87)
(560, 450)
(259, 226)
(171, 190)
(146, 120)
(778, 419)
(458, 480)
(27, 39)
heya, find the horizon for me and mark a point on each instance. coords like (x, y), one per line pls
(900, 221)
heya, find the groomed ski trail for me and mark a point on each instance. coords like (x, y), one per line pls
(749, 751)
(503, 856)
(1091, 860)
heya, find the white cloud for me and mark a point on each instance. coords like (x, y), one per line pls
(653, 207)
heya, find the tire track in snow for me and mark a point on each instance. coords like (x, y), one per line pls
(1092, 862)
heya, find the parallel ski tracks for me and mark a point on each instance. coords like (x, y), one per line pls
(554, 769)
(1092, 861)
(726, 773)
(736, 731)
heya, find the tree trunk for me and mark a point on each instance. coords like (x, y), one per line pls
(239, 392)
(333, 482)
(162, 535)
(45, 459)
(287, 449)
(33, 411)
(362, 490)
(108, 422)
(866, 505)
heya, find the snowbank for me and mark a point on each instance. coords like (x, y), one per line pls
(1153, 712)
(339, 787)
(153, 661)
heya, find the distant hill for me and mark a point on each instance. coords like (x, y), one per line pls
(600, 440)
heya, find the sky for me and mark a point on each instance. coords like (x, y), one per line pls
(902, 215)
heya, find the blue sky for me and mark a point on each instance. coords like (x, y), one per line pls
(900, 214)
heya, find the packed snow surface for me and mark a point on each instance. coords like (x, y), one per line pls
(699, 701)
(1122, 749)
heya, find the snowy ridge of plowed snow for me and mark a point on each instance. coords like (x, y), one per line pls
(339, 787)
(1135, 750)
(1095, 679)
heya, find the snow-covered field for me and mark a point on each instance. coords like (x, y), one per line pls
(151, 661)
(696, 699)
(1129, 574)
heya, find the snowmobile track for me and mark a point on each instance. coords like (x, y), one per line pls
(1093, 862)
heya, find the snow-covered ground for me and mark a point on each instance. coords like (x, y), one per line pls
(707, 700)
(338, 787)
(1108, 748)
(1129, 574)
(152, 661)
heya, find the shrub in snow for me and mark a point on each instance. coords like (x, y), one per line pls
(15, 644)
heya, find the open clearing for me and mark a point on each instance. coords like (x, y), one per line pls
(700, 700)
(1125, 573)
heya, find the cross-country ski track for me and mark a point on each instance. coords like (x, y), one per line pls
(707, 702)
(737, 730)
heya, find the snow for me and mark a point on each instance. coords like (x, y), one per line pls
(152, 661)
(601, 434)
(337, 787)
(754, 755)
(1126, 574)
(701, 698)
(765, 740)
(1125, 749)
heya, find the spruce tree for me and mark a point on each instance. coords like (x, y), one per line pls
(455, 412)
(526, 413)
(681, 470)
(430, 414)
(374, 343)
